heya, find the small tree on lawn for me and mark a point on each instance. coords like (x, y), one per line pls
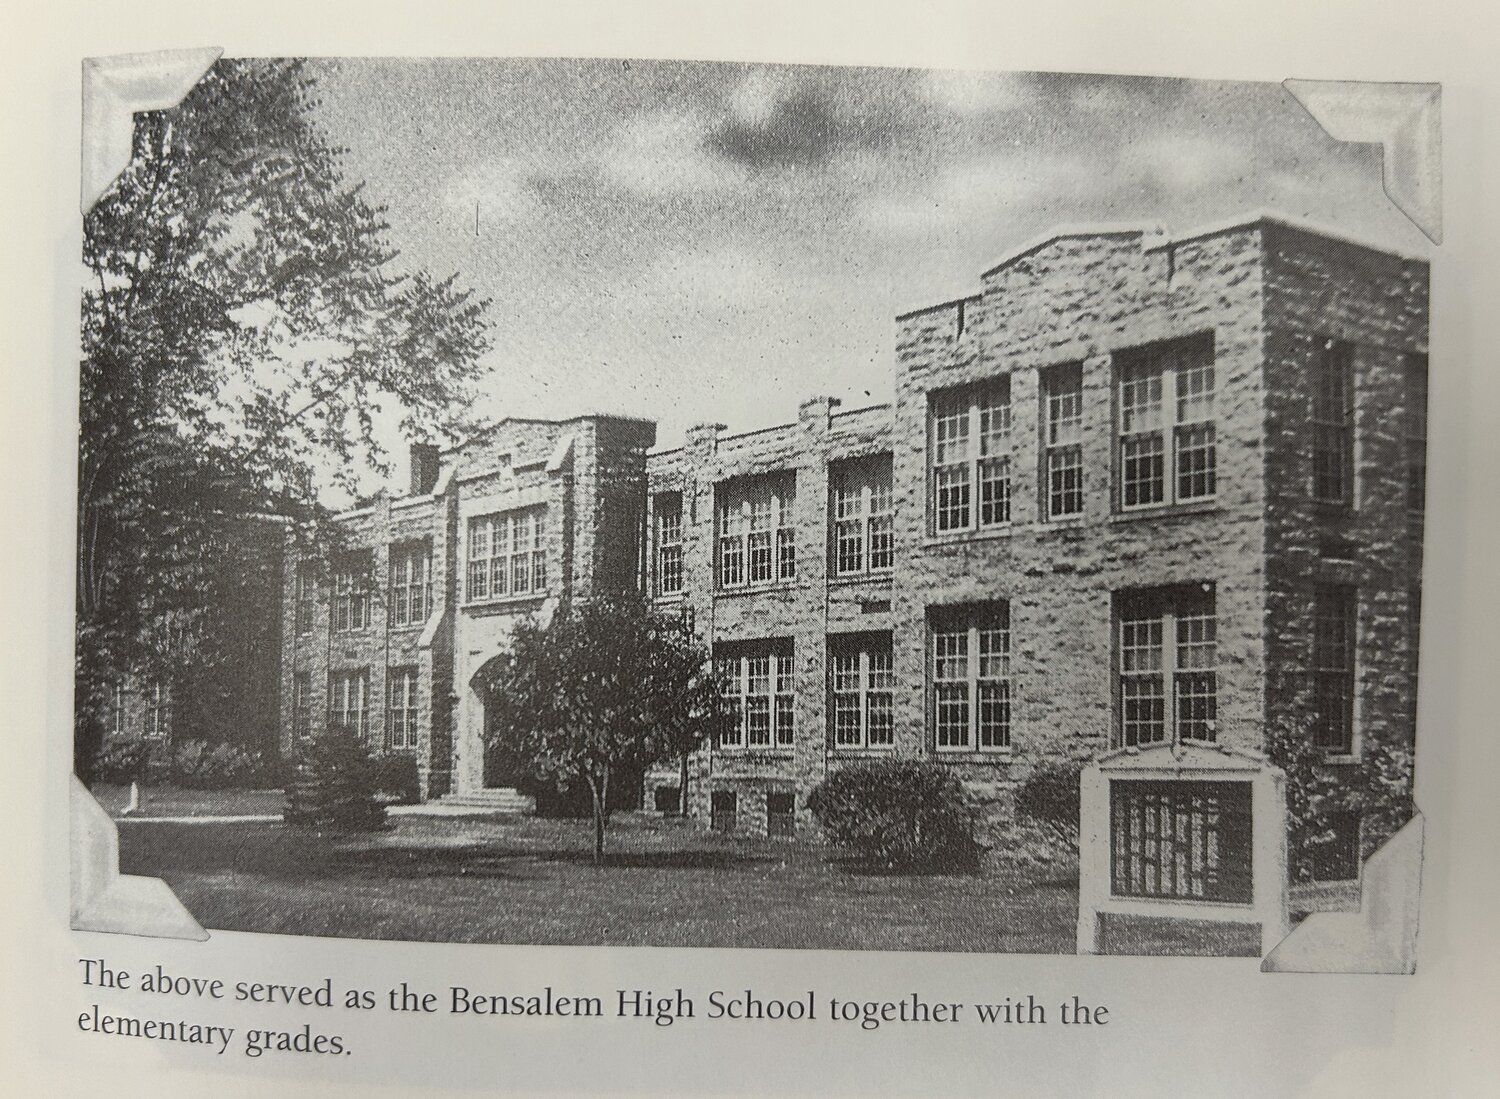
(336, 784)
(607, 686)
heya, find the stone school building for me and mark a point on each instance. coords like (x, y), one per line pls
(1140, 488)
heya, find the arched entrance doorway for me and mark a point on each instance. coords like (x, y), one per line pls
(504, 767)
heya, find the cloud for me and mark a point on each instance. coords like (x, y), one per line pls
(975, 93)
(1183, 164)
(774, 122)
(661, 152)
(977, 192)
(500, 188)
(728, 275)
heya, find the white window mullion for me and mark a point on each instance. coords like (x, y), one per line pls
(974, 688)
(1169, 669)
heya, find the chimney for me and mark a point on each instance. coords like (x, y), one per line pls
(424, 468)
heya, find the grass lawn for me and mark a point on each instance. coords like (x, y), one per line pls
(527, 880)
(170, 801)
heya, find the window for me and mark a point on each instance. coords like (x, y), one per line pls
(781, 814)
(863, 683)
(116, 718)
(1168, 437)
(411, 584)
(348, 701)
(1062, 441)
(668, 801)
(307, 594)
(1334, 629)
(757, 542)
(1333, 423)
(505, 554)
(969, 436)
(971, 687)
(301, 706)
(1168, 653)
(401, 709)
(758, 680)
(666, 512)
(351, 594)
(724, 811)
(862, 536)
(158, 716)
(1416, 432)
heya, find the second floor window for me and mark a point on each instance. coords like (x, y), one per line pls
(116, 717)
(1062, 441)
(1168, 452)
(157, 720)
(1168, 656)
(411, 583)
(351, 594)
(349, 701)
(1416, 432)
(757, 541)
(666, 513)
(401, 709)
(506, 557)
(862, 535)
(307, 598)
(759, 686)
(969, 439)
(1333, 423)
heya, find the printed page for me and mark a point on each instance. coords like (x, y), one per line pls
(633, 558)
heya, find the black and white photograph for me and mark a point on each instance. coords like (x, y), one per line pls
(609, 502)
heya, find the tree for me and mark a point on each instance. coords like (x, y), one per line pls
(244, 321)
(606, 686)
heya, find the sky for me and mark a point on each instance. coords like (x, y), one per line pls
(706, 242)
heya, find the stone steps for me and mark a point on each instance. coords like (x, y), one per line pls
(494, 800)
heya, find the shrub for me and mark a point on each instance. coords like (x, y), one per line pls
(197, 765)
(395, 778)
(123, 760)
(899, 814)
(193, 764)
(1049, 797)
(336, 784)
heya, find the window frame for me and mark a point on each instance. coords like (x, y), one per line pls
(339, 697)
(971, 623)
(986, 459)
(1170, 612)
(305, 599)
(402, 709)
(667, 545)
(736, 516)
(502, 569)
(1173, 365)
(873, 655)
(867, 482)
(410, 583)
(1062, 440)
(352, 593)
(156, 715)
(733, 663)
(1343, 599)
(1415, 382)
(1333, 430)
(116, 721)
